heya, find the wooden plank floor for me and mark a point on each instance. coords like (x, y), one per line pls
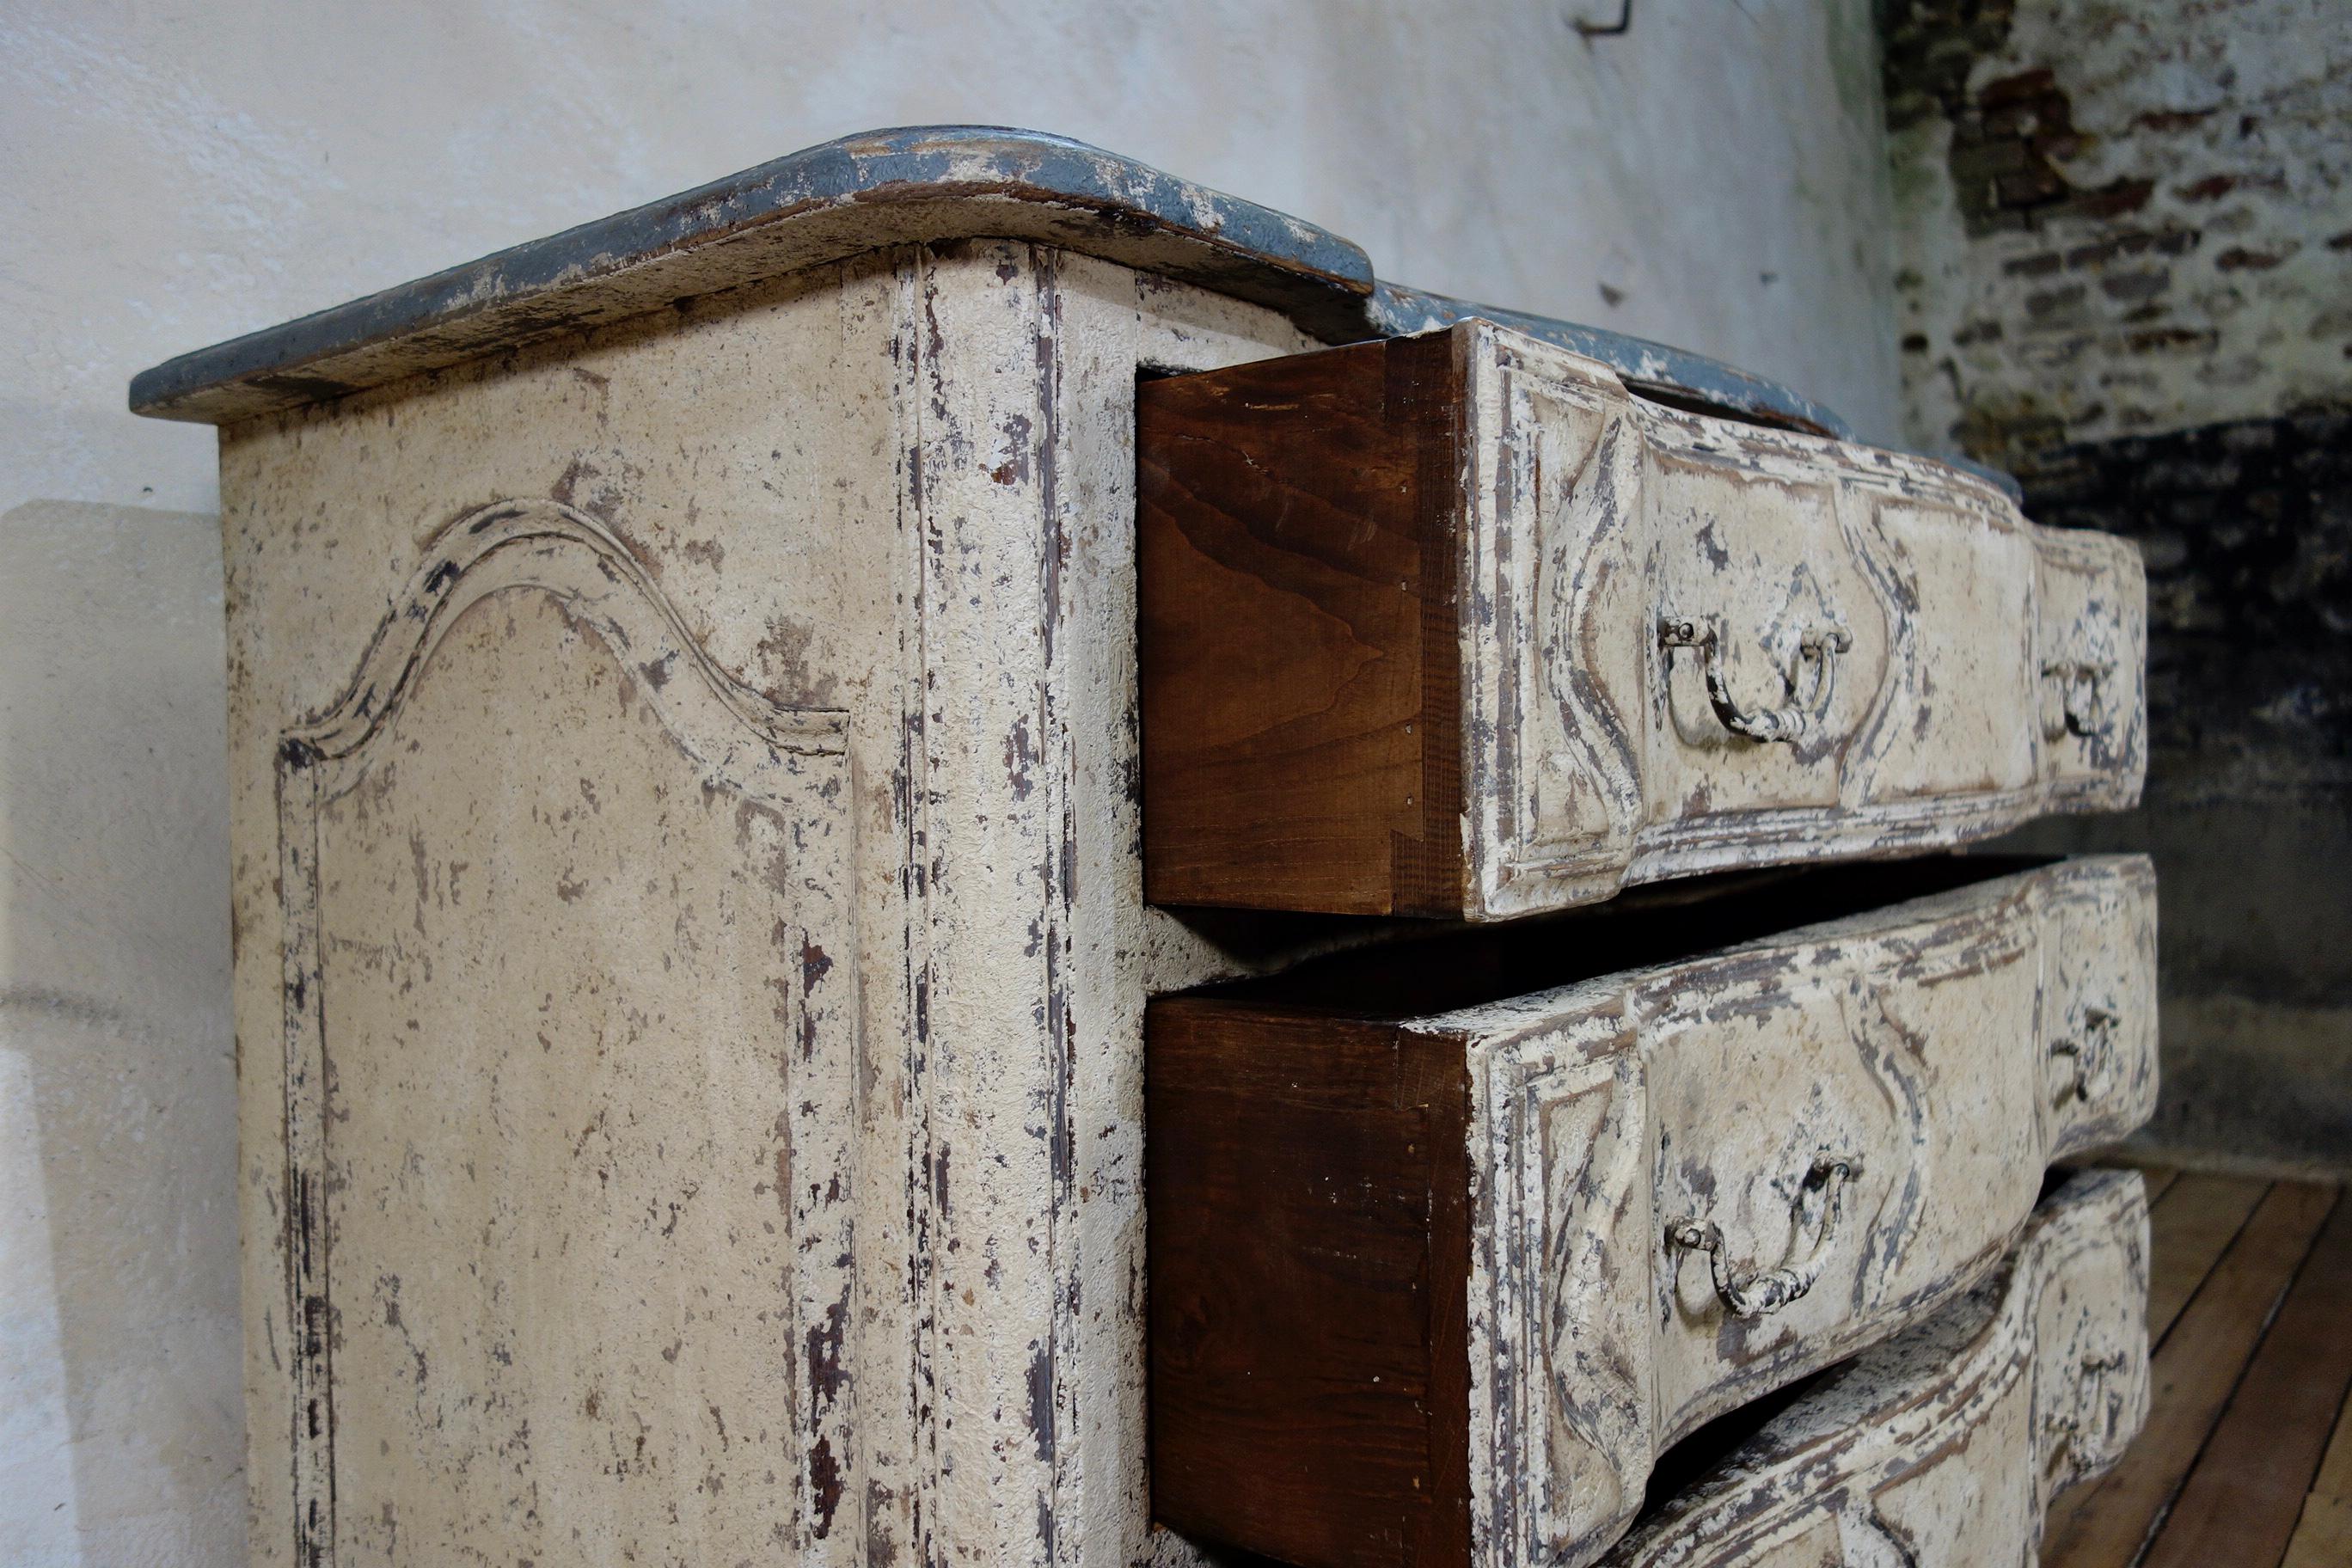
(2246, 1460)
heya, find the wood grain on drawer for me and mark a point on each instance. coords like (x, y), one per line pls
(1943, 1447)
(1458, 626)
(1439, 1285)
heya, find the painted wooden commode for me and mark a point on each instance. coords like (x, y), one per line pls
(693, 792)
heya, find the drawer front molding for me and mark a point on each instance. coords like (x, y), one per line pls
(1713, 1179)
(1772, 1128)
(1694, 645)
(1943, 1447)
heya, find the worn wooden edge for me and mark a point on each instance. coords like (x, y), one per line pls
(1659, 372)
(916, 184)
(1395, 310)
(826, 203)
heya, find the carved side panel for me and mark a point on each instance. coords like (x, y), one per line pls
(570, 1080)
(2092, 666)
(1956, 717)
(1570, 688)
(2098, 1025)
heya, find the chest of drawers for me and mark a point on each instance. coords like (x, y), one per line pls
(696, 761)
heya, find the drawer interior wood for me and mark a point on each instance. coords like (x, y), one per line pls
(1646, 926)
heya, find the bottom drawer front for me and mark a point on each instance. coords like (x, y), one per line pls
(1945, 1444)
(1713, 1178)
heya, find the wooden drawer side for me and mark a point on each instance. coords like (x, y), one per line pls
(1295, 586)
(1307, 1192)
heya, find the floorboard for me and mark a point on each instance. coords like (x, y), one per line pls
(2246, 1459)
(2240, 1505)
(2191, 1225)
(2193, 1375)
(2323, 1536)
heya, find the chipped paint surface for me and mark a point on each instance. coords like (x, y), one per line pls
(1936, 668)
(1942, 1052)
(573, 1173)
(715, 1037)
(1943, 1447)
(1400, 311)
(822, 204)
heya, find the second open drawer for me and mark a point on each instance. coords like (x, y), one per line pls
(1449, 1241)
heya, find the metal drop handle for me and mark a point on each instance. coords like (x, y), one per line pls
(1820, 1201)
(2089, 1395)
(2090, 1054)
(2074, 696)
(1810, 684)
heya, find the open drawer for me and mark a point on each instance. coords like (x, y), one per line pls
(1458, 626)
(1944, 1447)
(1448, 1241)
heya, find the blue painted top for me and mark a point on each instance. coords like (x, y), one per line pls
(911, 185)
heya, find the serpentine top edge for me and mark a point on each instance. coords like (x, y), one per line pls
(910, 186)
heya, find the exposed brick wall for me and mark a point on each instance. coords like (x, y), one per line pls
(2247, 530)
(2123, 244)
(2115, 219)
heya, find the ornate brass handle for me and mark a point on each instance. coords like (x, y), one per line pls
(1810, 684)
(2074, 698)
(2092, 1054)
(1820, 1201)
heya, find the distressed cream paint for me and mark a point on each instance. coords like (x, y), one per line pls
(1649, 595)
(692, 955)
(819, 1079)
(1856, 1117)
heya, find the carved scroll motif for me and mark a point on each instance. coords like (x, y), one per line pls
(1596, 1158)
(1945, 1444)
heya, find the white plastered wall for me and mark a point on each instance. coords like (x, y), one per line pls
(1715, 176)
